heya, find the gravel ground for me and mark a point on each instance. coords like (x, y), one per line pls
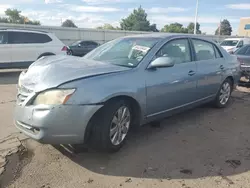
(200, 148)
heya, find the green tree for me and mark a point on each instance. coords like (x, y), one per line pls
(4, 20)
(174, 28)
(153, 28)
(190, 28)
(225, 28)
(68, 23)
(14, 16)
(137, 21)
(108, 27)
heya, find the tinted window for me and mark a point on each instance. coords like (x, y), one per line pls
(177, 49)
(89, 44)
(27, 38)
(3, 38)
(229, 43)
(217, 52)
(203, 50)
(245, 50)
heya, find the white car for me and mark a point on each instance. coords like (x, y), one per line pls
(19, 47)
(232, 44)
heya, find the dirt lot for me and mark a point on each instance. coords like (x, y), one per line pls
(201, 148)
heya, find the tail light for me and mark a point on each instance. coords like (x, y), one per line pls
(65, 48)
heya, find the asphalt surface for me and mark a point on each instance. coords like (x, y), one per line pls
(203, 147)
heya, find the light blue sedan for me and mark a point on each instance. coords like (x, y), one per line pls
(124, 83)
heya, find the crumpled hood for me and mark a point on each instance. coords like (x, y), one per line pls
(52, 71)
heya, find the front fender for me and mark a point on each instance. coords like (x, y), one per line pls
(102, 88)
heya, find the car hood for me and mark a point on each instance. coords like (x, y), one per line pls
(228, 47)
(52, 71)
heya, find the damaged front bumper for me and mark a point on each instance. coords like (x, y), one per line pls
(61, 124)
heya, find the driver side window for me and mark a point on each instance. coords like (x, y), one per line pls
(176, 49)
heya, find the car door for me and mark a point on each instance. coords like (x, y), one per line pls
(210, 64)
(92, 45)
(5, 49)
(171, 87)
(24, 49)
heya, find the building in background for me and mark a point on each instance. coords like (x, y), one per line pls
(244, 27)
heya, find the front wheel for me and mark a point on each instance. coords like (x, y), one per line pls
(111, 126)
(224, 94)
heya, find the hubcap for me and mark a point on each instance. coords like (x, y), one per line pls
(225, 93)
(120, 125)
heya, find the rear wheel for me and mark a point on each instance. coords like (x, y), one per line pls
(224, 94)
(69, 52)
(111, 126)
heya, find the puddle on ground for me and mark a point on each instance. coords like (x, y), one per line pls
(14, 166)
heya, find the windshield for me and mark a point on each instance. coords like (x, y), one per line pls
(229, 43)
(127, 52)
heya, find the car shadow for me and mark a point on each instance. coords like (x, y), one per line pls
(198, 143)
(9, 77)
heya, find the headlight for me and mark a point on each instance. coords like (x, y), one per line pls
(54, 97)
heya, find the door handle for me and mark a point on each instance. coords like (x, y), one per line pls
(191, 73)
(221, 67)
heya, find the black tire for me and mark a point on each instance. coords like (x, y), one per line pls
(69, 52)
(100, 127)
(217, 101)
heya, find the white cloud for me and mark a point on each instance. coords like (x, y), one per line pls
(159, 10)
(106, 1)
(77, 8)
(240, 6)
(181, 19)
(3, 9)
(52, 1)
(14, 2)
(56, 17)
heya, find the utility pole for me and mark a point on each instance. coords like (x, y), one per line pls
(196, 14)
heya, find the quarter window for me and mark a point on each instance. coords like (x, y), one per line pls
(28, 38)
(203, 50)
(3, 38)
(177, 49)
(217, 52)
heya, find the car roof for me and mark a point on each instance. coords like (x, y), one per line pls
(23, 30)
(167, 35)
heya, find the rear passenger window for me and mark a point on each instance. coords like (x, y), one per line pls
(217, 52)
(28, 38)
(177, 49)
(203, 50)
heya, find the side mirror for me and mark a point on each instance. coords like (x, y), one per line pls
(161, 62)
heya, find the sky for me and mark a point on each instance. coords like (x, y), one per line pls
(94, 13)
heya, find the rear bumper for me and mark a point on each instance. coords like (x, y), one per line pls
(245, 70)
(64, 124)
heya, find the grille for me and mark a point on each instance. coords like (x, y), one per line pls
(22, 94)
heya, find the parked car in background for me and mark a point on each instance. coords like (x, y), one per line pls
(232, 44)
(19, 47)
(243, 55)
(80, 48)
(124, 83)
